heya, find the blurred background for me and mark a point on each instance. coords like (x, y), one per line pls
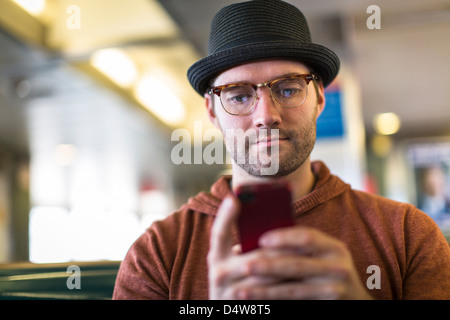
(92, 90)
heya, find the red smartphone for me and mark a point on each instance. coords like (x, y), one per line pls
(263, 207)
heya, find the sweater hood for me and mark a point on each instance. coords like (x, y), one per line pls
(327, 187)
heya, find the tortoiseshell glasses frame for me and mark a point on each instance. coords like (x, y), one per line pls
(287, 92)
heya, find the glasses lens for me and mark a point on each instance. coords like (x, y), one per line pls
(290, 93)
(238, 99)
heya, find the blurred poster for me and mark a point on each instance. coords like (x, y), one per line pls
(330, 124)
(431, 165)
(4, 218)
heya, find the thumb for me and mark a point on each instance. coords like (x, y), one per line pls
(221, 241)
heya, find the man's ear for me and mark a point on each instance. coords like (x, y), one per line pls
(320, 92)
(209, 104)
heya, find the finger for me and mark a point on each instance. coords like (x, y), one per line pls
(221, 241)
(237, 249)
(293, 266)
(239, 289)
(235, 267)
(304, 239)
(324, 290)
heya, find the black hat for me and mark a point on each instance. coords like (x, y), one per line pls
(260, 29)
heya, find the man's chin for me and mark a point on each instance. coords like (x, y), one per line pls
(271, 169)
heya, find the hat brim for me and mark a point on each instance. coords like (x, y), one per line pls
(324, 61)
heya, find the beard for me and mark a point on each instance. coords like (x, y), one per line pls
(289, 154)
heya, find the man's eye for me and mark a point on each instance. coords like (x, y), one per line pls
(239, 98)
(238, 95)
(288, 93)
(289, 90)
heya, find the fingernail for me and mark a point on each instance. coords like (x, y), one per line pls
(227, 202)
(243, 294)
(266, 240)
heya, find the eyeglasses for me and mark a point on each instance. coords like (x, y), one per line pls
(240, 99)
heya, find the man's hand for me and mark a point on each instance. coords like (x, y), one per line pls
(291, 263)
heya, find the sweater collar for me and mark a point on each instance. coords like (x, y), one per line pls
(327, 187)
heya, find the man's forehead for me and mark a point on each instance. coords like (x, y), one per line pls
(261, 71)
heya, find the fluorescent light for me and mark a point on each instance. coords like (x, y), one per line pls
(386, 123)
(116, 65)
(65, 154)
(34, 7)
(156, 96)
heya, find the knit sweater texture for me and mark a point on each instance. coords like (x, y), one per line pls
(168, 261)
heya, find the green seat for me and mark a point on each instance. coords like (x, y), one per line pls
(53, 281)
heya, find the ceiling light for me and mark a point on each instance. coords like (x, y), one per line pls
(34, 7)
(381, 145)
(116, 65)
(65, 154)
(386, 123)
(156, 96)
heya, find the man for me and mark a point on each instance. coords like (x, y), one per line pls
(263, 73)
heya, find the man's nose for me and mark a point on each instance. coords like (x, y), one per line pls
(267, 113)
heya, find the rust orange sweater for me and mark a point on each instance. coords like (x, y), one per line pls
(169, 260)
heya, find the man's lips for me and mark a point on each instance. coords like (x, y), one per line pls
(271, 140)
